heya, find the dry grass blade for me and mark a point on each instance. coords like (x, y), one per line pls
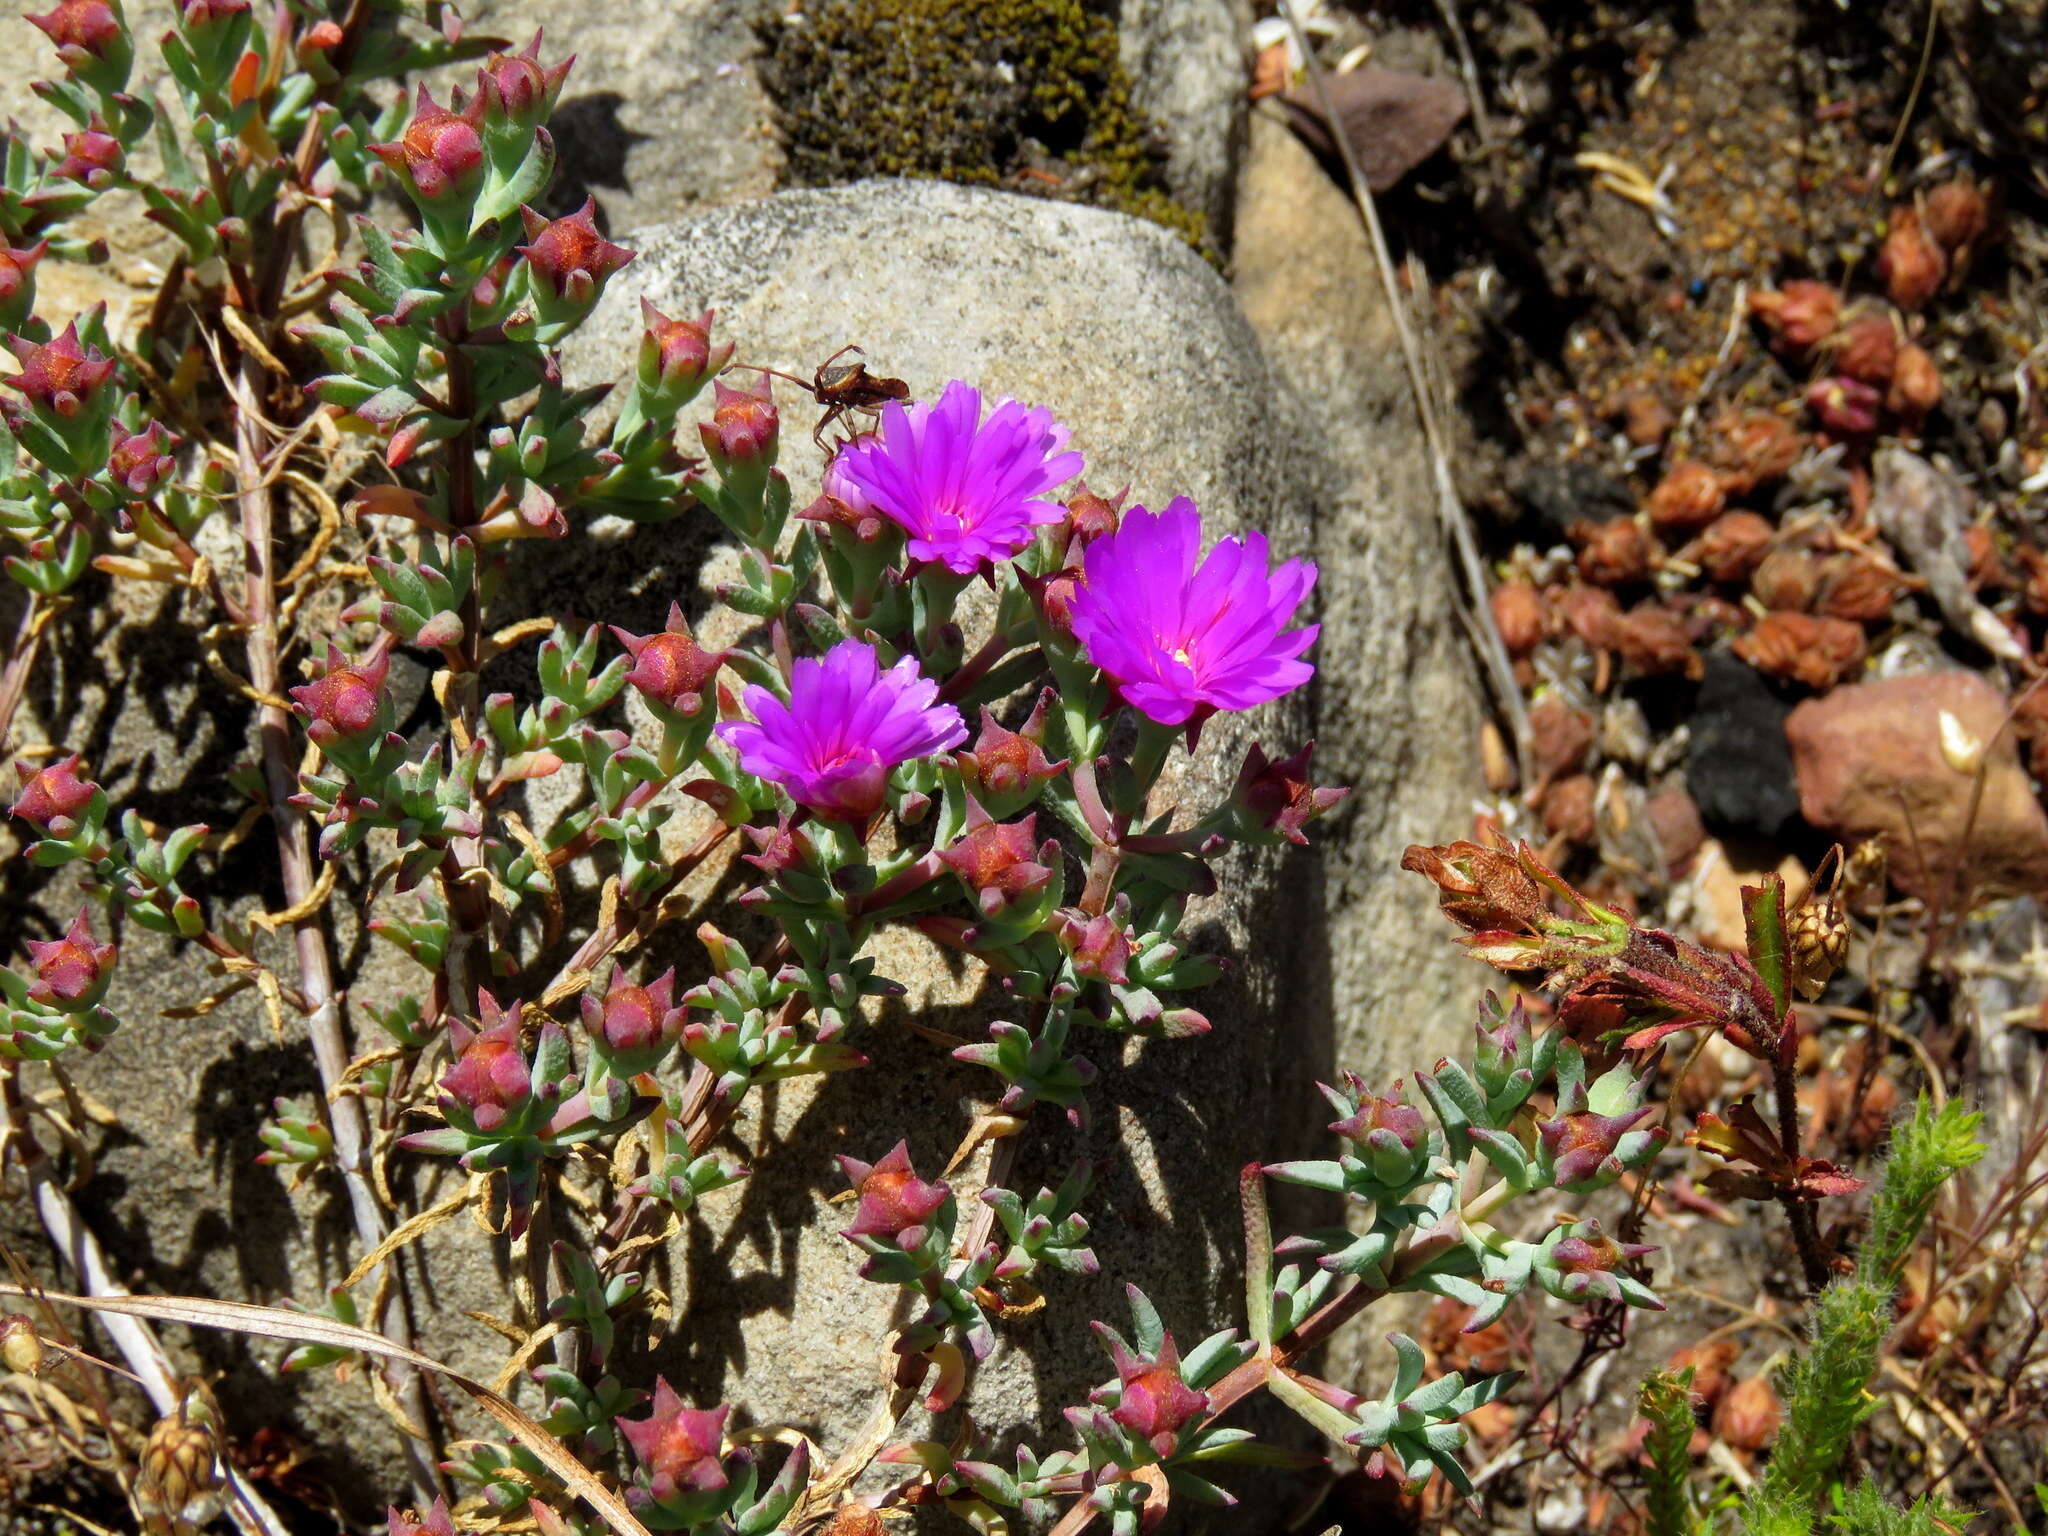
(303, 1328)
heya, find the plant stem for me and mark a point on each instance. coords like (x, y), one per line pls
(36, 614)
(324, 1024)
(1797, 1213)
(133, 1337)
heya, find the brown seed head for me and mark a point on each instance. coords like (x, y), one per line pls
(1733, 545)
(1916, 385)
(1688, 497)
(1956, 214)
(1910, 264)
(21, 1347)
(1818, 936)
(1786, 580)
(180, 1483)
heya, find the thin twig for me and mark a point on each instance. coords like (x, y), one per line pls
(325, 1027)
(1493, 653)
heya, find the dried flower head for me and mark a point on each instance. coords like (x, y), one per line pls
(1799, 315)
(846, 725)
(1521, 616)
(1909, 264)
(1179, 642)
(21, 1347)
(1689, 497)
(966, 490)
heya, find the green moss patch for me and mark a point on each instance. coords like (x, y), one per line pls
(1025, 94)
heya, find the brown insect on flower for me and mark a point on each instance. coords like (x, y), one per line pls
(843, 388)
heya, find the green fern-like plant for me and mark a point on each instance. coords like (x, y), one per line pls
(1826, 1389)
(1666, 1402)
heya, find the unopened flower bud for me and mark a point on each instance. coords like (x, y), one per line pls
(743, 426)
(211, 13)
(1916, 385)
(21, 1347)
(18, 282)
(1053, 596)
(1582, 1144)
(347, 704)
(1909, 264)
(72, 973)
(1278, 796)
(90, 39)
(1844, 407)
(491, 1079)
(142, 463)
(1390, 1134)
(677, 356)
(1090, 516)
(1689, 497)
(569, 259)
(1153, 1401)
(1502, 1042)
(440, 155)
(516, 89)
(60, 377)
(680, 1452)
(635, 1023)
(1585, 1264)
(1801, 314)
(1869, 346)
(92, 156)
(1100, 948)
(669, 668)
(895, 1204)
(51, 800)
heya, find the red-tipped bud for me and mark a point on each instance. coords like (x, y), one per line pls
(211, 13)
(89, 28)
(635, 1020)
(491, 1078)
(1090, 516)
(678, 1447)
(18, 281)
(346, 704)
(1152, 1400)
(141, 463)
(518, 88)
(678, 355)
(1278, 795)
(1006, 768)
(1582, 1143)
(440, 155)
(568, 256)
(1800, 315)
(1100, 948)
(1844, 407)
(780, 847)
(1595, 1255)
(894, 1202)
(999, 862)
(1054, 596)
(669, 668)
(50, 800)
(743, 425)
(92, 156)
(59, 376)
(72, 973)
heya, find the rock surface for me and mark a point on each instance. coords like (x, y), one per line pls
(1142, 351)
(1871, 764)
(1186, 60)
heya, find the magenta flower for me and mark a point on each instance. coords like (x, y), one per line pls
(1181, 643)
(847, 723)
(967, 491)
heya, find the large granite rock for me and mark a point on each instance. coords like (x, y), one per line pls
(1146, 356)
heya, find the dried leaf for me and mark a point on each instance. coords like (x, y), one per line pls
(1393, 120)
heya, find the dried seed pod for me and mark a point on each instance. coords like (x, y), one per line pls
(1867, 349)
(1593, 615)
(1559, 737)
(1786, 581)
(1568, 809)
(1688, 497)
(180, 1483)
(1814, 651)
(1909, 264)
(1752, 448)
(1916, 385)
(1520, 616)
(1614, 553)
(1818, 936)
(1652, 640)
(1865, 868)
(1858, 588)
(1799, 315)
(1733, 545)
(1956, 214)
(21, 1347)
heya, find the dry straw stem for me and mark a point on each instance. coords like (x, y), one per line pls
(301, 1328)
(1476, 610)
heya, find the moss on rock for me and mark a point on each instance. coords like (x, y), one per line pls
(1026, 94)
